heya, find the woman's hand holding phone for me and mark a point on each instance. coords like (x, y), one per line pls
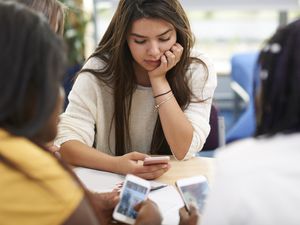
(156, 160)
(168, 60)
(128, 164)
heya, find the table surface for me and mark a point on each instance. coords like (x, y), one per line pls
(192, 167)
(167, 198)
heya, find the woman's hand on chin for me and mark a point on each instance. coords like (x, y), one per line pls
(168, 60)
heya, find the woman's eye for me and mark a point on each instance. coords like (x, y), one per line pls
(139, 41)
(164, 39)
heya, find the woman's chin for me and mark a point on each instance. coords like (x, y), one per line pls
(150, 68)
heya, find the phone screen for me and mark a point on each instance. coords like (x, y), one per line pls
(195, 194)
(132, 195)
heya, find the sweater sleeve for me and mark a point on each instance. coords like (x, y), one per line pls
(202, 81)
(78, 121)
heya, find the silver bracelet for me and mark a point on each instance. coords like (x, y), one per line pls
(164, 101)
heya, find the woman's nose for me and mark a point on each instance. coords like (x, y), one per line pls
(153, 49)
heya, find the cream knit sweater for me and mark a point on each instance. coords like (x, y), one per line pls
(90, 110)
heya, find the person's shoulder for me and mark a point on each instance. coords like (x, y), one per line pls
(237, 148)
(201, 59)
(46, 188)
(202, 63)
(86, 76)
(264, 146)
(15, 148)
(33, 160)
(94, 63)
(204, 58)
(201, 70)
(21, 150)
(238, 157)
(252, 154)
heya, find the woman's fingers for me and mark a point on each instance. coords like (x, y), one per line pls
(173, 55)
(177, 50)
(136, 156)
(171, 58)
(151, 168)
(153, 174)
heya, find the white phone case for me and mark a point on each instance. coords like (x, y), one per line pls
(193, 190)
(134, 191)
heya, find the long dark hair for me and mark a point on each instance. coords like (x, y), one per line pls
(118, 71)
(279, 100)
(32, 67)
(33, 63)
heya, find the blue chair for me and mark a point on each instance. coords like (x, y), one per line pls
(243, 66)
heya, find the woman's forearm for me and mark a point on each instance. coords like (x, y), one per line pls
(176, 127)
(79, 154)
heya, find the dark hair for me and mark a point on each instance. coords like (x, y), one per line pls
(32, 67)
(53, 10)
(118, 72)
(279, 102)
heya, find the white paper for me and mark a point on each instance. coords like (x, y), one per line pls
(169, 202)
(167, 198)
(98, 181)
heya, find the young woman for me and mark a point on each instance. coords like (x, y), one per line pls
(36, 188)
(53, 10)
(141, 90)
(257, 179)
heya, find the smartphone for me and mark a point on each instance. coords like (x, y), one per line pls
(156, 160)
(134, 191)
(193, 190)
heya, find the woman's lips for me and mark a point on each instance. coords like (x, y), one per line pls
(153, 62)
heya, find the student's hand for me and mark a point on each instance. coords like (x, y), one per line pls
(104, 204)
(148, 213)
(128, 163)
(168, 61)
(190, 218)
(52, 147)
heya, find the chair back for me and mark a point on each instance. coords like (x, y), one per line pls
(216, 137)
(243, 74)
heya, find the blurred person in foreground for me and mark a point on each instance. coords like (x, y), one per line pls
(54, 12)
(35, 187)
(258, 179)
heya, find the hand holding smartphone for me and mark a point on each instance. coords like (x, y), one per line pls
(193, 190)
(156, 160)
(134, 191)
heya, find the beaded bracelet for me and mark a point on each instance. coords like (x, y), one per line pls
(164, 101)
(162, 93)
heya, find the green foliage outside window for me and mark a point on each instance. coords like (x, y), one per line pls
(75, 25)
